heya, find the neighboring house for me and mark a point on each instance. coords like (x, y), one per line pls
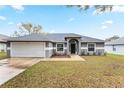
(115, 47)
(46, 45)
(3, 42)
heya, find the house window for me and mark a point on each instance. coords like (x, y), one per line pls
(114, 49)
(83, 44)
(59, 47)
(47, 44)
(54, 44)
(91, 47)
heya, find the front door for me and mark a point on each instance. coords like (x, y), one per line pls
(73, 48)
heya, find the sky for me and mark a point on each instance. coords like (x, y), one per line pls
(63, 19)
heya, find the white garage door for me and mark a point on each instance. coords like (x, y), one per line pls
(27, 49)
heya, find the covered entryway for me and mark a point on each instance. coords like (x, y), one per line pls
(73, 46)
(27, 49)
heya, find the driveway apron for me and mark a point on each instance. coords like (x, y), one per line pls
(11, 67)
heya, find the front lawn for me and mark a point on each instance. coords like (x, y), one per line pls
(3, 55)
(96, 71)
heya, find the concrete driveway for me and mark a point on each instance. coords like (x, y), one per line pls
(11, 67)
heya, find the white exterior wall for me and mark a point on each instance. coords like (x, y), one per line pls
(119, 49)
(27, 49)
(2, 47)
(49, 50)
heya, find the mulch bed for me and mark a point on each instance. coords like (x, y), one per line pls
(60, 56)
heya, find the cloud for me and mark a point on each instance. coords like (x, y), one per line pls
(71, 19)
(104, 27)
(18, 7)
(52, 31)
(108, 22)
(2, 18)
(10, 23)
(118, 9)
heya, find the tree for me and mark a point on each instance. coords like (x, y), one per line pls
(112, 38)
(99, 8)
(27, 29)
(26, 26)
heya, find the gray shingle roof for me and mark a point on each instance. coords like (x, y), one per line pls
(33, 37)
(57, 37)
(119, 41)
(3, 38)
(90, 39)
(60, 37)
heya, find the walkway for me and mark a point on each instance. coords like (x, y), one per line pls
(73, 58)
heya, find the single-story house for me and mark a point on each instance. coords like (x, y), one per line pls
(3, 42)
(115, 46)
(46, 45)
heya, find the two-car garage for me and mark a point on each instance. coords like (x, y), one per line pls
(27, 49)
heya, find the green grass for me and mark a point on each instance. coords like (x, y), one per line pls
(3, 55)
(96, 71)
(115, 55)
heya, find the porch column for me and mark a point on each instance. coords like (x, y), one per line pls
(79, 52)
